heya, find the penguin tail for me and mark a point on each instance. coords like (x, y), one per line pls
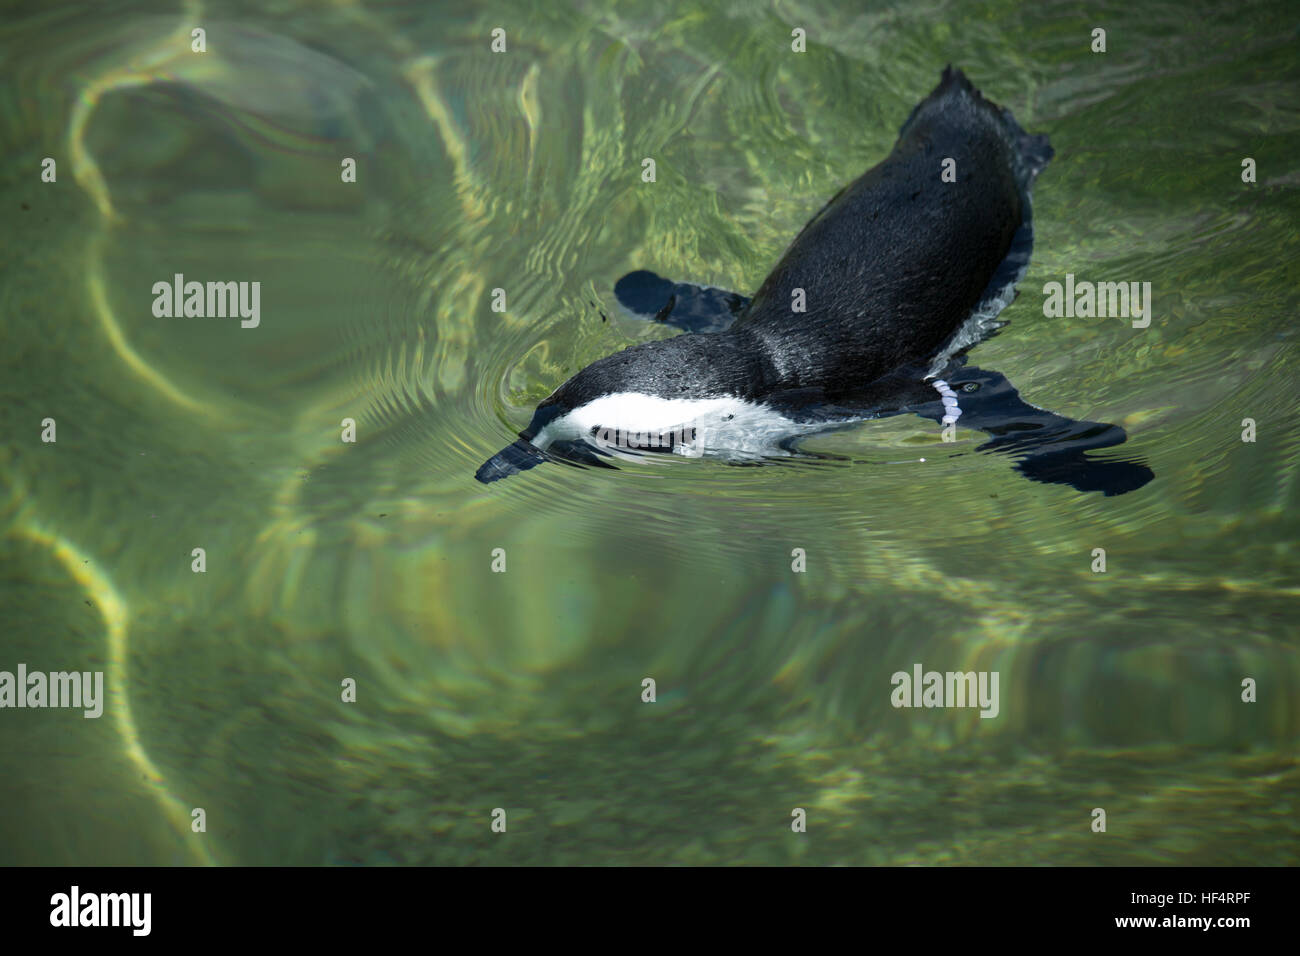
(1032, 151)
(510, 460)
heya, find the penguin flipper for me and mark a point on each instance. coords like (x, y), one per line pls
(691, 308)
(1047, 447)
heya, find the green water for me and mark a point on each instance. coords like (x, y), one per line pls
(372, 560)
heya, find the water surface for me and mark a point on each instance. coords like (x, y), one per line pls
(521, 690)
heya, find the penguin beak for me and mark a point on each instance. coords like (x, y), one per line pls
(523, 455)
(510, 460)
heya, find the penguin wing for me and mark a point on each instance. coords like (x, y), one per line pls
(1047, 447)
(691, 308)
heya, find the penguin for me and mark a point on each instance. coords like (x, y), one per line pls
(870, 312)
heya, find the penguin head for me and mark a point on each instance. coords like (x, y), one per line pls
(654, 389)
(525, 454)
(552, 433)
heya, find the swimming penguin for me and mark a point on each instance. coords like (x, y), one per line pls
(869, 313)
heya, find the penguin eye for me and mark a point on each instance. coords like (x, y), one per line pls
(970, 387)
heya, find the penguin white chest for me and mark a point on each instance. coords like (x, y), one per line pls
(634, 422)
